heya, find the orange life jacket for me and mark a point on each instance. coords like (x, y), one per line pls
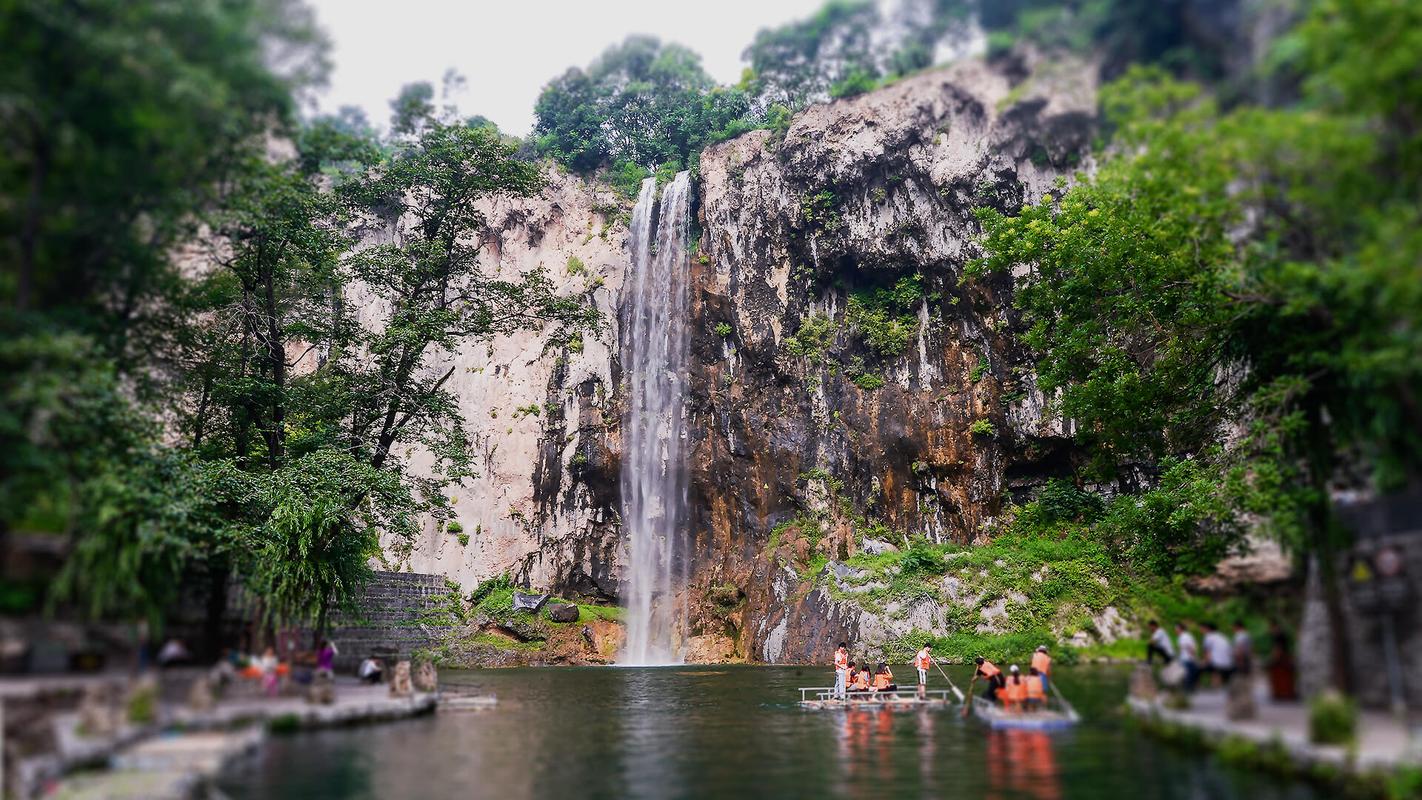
(988, 670)
(1035, 690)
(882, 679)
(1014, 692)
(1042, 663)
(841, 659)
(861, 683)
(922, 660)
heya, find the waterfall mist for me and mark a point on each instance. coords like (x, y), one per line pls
(653, 479)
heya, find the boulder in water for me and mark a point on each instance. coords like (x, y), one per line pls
(563, 612)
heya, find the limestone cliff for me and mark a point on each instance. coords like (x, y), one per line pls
(842, 373)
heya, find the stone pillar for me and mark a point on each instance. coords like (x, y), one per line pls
(1240, 699)
(1313, 650)
(426, 678)
(1143, 683)
(400, 685)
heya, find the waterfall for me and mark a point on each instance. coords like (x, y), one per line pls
(653, 480)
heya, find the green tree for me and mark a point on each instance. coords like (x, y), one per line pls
(643, 103)
(1227, 307)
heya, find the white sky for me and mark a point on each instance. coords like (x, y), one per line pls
(508, 49)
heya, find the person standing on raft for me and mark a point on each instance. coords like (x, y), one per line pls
(841, 670)
(1042, 665)
(1036, 690)
(923, 661)
(989, 672)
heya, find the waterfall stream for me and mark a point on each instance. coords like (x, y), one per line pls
(653, 479)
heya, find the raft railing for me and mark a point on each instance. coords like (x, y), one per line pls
(825, 694)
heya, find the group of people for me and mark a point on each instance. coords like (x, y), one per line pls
(270, 670)
(860, 678)
(1012, 689)
(1219, 656)
(1215, 655)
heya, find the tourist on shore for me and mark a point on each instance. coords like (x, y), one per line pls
(1243, 649)
(884, 679)
(1036, 690)
(174, 653)
(1219, 653)
(1282, 674)
(1160, 645)
(923, 661)
(841, 670)
(1042, 665)
(1189, 655)
(990, 673)
(370, 670)
(267, 664)
(326, 657)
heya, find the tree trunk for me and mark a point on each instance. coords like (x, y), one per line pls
(1320, 467)
(276, 362)
(30, 228)
(216, 607)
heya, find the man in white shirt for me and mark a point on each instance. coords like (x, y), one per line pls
(1159, 645)
(1219, 652)
(1189, 655)
(841, 670)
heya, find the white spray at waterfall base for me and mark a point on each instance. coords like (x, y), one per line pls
(653, 479)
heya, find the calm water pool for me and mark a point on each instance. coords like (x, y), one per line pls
(733, 732)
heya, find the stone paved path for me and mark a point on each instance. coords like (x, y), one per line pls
(1383, 741)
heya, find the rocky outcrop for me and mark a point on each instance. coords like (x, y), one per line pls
(844, 377)
(799, 411)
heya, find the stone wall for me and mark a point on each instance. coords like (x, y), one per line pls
(401, 612)
(1372, 600)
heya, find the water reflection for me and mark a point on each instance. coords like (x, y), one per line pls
(1022, 764)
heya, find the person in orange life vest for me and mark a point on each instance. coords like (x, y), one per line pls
(923, 661)
(866, 677)
(987, 670)
(884, 679)
(841, 670)
(860, 682)
(1036, 690)
(1042, 663)
(1014, 691)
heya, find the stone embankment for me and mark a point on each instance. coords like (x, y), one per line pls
(182, 750)
(1385, 760)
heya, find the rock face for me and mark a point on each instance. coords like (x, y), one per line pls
(905, 411)
(538, 408)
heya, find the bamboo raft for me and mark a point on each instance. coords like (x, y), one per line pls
(1056, 715)
(823, 697)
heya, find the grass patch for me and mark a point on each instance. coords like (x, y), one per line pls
(589, 613)
(500, 643)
